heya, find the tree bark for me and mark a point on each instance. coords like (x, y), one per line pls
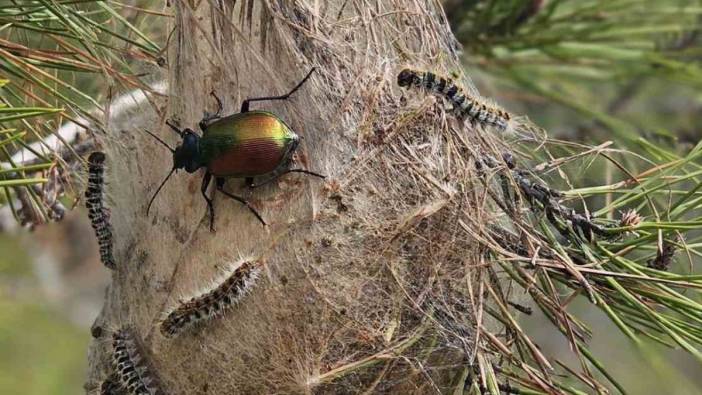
(367, 275)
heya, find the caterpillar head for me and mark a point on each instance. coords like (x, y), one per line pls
(406, 78)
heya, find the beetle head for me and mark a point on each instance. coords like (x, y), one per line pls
(185, 154)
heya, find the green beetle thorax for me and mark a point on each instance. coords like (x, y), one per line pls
(187, 154)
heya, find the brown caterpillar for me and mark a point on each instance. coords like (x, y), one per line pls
(97, 212)
(213, 302)
(464, 105)
(132, 366)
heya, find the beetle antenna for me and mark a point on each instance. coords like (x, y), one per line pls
(158, 190)
(175, 128)
(160, 141)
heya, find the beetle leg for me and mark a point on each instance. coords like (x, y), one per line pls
(220, 106)
(245, 104)
(207, 118)
(220, 187)
(210, 208)
(311, 173)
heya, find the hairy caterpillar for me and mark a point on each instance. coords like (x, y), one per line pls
(131, 364)
(213, 302)
(464, 105)
(112, 386)
(97, 212)
(548, 198)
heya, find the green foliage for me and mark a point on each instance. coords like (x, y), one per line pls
(45, 45)
(56, 59)
(9, 137)
(622, 70)
(607, 61)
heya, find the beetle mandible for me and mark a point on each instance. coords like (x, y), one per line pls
(242, 145)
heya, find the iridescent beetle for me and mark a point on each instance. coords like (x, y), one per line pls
(243, 145)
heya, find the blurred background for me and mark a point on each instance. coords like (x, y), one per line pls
(587, 71)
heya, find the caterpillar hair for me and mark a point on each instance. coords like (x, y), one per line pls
(214, 301)
(464, 105)
(112, 386)
(97, 212)
(548, 198)
(131, 364)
